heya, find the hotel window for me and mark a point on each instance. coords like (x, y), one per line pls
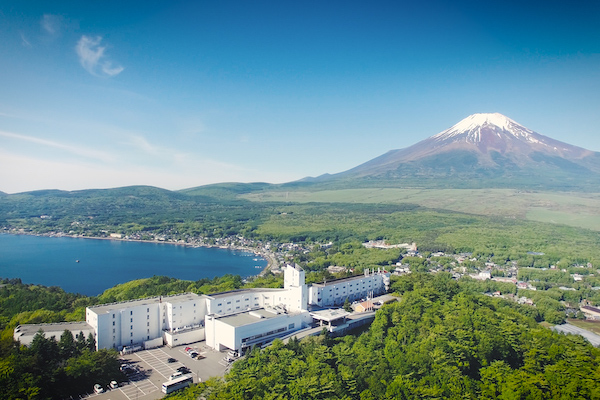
(147, 323)
(237, 301)
(131, 320)
(113, 323)
(130, 312)
(131, 334)
(113, 331)
(113, 315)
(113, 338)
(219, 305)
(147, 310)
(131, 327)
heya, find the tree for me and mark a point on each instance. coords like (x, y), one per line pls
(66, 345)
(91, 342)
(347, 305)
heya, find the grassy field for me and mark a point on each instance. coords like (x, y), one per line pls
(592, 326)
(573, 209)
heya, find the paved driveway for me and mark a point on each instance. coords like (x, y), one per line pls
(154, 369)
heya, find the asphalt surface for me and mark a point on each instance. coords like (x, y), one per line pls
(153, 368)
(572, 329)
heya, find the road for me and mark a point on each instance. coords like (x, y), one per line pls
(568, 328)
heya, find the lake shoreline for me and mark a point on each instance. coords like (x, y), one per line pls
(244, 260)
(268, 257)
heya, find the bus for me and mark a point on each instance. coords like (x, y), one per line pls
(177, 383)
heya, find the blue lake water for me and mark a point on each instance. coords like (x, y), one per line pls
(52, 261)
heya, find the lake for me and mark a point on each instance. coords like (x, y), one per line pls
(90, 266)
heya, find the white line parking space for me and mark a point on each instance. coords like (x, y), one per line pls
(139, 385)
(160, 362)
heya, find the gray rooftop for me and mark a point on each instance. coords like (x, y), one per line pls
(241, 291)
(177, 298)
(330, 315)
(343, 280)
(25, 333)
(250, 317)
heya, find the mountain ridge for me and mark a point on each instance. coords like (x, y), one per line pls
(482, 150)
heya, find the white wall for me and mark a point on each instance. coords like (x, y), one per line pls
(336, 292)
(185, 337)
(220, 335)
(234, 303)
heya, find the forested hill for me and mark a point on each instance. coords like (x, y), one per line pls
(439, 342)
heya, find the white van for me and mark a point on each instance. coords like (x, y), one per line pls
(175, 375)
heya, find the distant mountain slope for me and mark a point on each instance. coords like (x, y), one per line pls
(482, 150)
(228, 190)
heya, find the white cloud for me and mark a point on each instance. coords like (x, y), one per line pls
(109, 70)
(20, 173)
(51, 23)
(93, 59)
(141, 143)
(24, 41)
(74, 150)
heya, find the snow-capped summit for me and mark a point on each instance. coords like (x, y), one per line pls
(470, 128)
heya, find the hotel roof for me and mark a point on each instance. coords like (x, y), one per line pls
(178, 298)
(241, 291)
(251, 317)
(344, 280)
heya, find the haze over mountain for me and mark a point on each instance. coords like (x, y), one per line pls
(482, 150)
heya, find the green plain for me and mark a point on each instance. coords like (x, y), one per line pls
(569, 208)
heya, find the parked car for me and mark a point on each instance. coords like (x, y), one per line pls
(175, 375)
(114, 384)
(184, 370)
(98, 389)
(171, 360)
(188, 349)
(193, 354)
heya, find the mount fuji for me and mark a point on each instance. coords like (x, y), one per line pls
(482, 150)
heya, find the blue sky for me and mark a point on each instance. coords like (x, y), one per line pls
(177, 95)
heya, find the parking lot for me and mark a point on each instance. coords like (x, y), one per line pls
(152, 368)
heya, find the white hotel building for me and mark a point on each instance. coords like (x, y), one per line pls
(335, 292)
(234, 320)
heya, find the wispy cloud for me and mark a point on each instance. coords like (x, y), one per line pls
(51, 23)
(24, 40)
(93, 59)
(141, 143)
(75, 150)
